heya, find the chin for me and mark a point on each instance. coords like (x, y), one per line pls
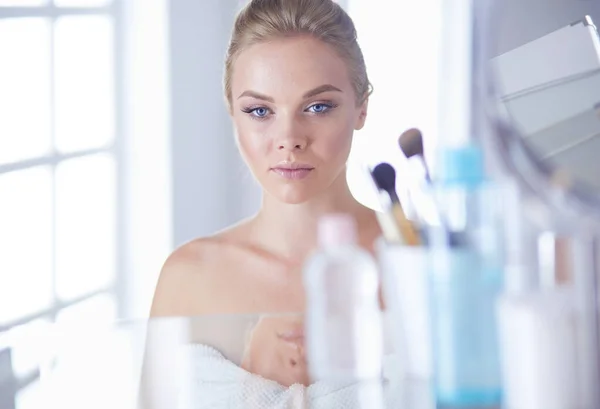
(291, 194)
(296, 197)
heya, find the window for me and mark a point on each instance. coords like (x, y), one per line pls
(60, 164)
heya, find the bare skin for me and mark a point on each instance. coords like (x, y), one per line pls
(255, 266)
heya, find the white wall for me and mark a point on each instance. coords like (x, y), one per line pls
(211, 186)
(399, 40)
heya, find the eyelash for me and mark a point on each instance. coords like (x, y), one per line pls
(250, 110)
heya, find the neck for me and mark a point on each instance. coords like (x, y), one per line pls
(291, 229)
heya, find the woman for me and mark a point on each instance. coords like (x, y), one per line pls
(296, 88)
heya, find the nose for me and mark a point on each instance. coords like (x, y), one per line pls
(291, 145)
(292, 137)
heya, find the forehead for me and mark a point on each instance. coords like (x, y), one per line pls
(288, 66)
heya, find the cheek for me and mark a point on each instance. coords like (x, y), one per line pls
(252, 146)
(336, 147)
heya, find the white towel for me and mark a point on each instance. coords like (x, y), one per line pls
(215, 382)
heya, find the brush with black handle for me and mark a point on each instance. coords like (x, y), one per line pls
(384, 176)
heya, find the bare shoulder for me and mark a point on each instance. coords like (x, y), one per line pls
(188, 266)
(193, 280)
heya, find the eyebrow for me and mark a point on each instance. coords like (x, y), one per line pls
(321, 89)
(256, 95)
(313, 92)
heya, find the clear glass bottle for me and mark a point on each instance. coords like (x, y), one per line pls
(343, 327)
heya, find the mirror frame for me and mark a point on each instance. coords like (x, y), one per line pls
(552, 198)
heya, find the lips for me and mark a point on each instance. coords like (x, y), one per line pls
(293, 170)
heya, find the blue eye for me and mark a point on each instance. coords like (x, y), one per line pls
(320, 108)
(260, 112)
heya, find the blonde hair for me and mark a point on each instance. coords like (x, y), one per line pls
(325, 20)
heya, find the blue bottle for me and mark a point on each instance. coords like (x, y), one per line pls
(465, 279)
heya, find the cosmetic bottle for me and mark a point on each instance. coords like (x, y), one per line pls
(538, 349)
(465, 278)
(343, 326)
(542, 328)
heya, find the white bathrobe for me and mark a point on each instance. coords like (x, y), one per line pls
(215, 382)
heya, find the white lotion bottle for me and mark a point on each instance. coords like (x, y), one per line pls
(343, 327)
(538, 344)
(537, 330)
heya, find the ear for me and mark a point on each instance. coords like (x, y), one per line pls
(362, 115)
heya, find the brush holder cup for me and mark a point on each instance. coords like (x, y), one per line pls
(404, 280)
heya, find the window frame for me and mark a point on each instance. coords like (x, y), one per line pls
(115, 10)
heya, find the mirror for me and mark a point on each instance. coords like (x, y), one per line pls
(546, 59)
(546, 64)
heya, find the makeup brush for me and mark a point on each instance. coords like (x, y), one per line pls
(386, 221)
(384, 176)
(411, 143)
(389, 227)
